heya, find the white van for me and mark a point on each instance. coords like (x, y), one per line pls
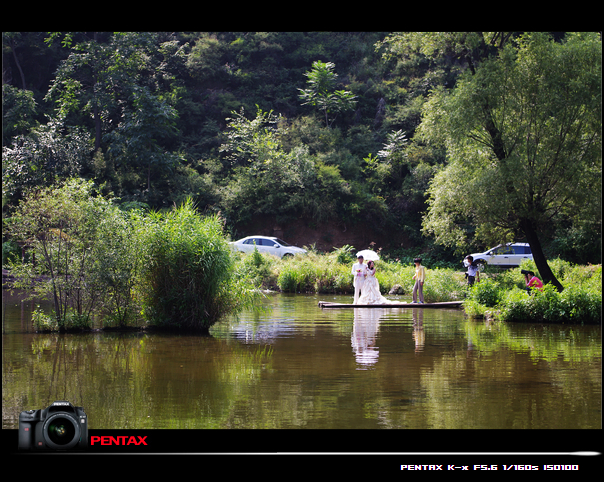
(508, 255)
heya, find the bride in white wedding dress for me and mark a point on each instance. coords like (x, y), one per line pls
(370, 293)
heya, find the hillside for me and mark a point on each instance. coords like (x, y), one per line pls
(307, 135)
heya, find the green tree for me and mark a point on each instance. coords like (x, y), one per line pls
(523, 134)
(85, 82)
(60, 224)
(126, 83)
(49, 152)
(267, 178)
(139, 139)
(246, 139)
(322, 94)
(18, 112)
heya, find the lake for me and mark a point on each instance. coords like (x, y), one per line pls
(297, 366)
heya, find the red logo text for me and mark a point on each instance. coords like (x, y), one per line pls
(120, 440)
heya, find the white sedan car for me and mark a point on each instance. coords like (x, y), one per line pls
(266, 244)
(505, 255)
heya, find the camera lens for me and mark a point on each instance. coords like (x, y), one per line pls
(62, 432)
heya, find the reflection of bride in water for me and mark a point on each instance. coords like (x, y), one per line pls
(364, 333)
(370, 292)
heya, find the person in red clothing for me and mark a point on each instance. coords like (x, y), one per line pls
(532, 281)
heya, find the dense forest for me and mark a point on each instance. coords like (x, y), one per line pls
(324, 138)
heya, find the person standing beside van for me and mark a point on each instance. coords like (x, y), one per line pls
(473, 274)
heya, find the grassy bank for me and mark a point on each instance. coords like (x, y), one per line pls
(330, 273)
(500, 295)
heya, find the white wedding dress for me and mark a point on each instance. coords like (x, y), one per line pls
(370, 292)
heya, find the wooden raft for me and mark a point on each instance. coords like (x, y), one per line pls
(443, 304)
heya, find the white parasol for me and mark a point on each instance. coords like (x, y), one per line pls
(368, 255)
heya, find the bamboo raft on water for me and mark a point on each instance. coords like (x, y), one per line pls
(402, 304)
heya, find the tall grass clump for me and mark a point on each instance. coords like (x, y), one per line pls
(188, 280)
(315, 273)
(442, 284)
(301, 274)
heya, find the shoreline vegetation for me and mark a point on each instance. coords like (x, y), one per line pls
(103, 266)
(498, 297)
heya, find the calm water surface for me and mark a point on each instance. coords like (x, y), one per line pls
(298, 366)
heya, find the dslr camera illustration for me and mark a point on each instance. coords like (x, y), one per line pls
(61, 426)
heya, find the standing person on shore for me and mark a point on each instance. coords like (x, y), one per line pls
(419, 277)
(472, 274)
(359, 271)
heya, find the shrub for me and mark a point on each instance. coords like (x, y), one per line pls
(188, 280)
(487, 292)
(118, 255)
(574, 305)
(474, 309)
(11, 252)
(77, 321)
(581, 304)
(258, 268)
(43, 322)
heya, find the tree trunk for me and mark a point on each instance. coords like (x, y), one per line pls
(526, 225)
(97, 127)
(547, 276)
(97, 115)
(13, 47)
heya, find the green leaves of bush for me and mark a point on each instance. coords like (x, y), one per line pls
(188, 281)
(576, 304)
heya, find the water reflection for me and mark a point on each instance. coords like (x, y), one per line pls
(419, 336)
(17, 310)
(364, 334)
(292, 367)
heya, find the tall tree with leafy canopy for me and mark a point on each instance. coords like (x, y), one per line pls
(522, 130)
(126, 83)
(322, 93)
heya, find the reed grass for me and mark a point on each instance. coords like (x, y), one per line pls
(189, 277)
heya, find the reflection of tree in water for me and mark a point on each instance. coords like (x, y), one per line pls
(366, 324)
